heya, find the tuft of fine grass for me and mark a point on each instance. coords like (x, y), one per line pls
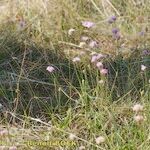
(75, 103)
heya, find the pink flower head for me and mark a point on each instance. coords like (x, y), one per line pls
(88, 24)
(139, 118)
(50, 69)
(93, 44)
(3, 132)
(13, 148)
(137, 108)
(143, 67)
(104, 71)
(99, 56)
(94, 59)
(99, 65)
(76, 59)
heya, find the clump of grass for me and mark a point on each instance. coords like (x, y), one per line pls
(74, 71)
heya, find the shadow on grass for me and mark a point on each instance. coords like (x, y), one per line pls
(23, 67)
(39, 90)
(127, 78)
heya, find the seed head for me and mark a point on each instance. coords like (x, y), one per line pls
(137, 108)
(72, 136)
(143, 67)
(138, 118)
(70, 31)
(100, 140)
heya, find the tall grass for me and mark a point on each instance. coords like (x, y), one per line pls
(75, 102)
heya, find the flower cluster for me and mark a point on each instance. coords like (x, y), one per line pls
(96, 59)
(138, 118)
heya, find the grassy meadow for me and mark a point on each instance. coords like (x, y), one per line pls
(75, 75)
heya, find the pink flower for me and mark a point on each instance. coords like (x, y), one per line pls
(104, 71)
(99, 65)
(76, 59)
(50, 69)
(3, 133)
(93, 44)
(139, 118)
(99, 56)
(143, 67)
(13, 148)
(94, 59)
(137, 107)
(88, 24)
